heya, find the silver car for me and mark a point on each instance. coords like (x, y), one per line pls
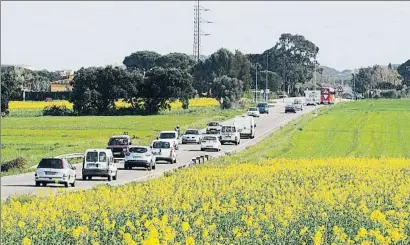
(192, 136)
(298, 104)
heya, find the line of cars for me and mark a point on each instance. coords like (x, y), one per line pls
(102, 162)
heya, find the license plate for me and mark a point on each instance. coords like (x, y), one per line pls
(50, 173)
(136, 157)
(117, 153)
(157, 153)
(209, 146)
(92, 165)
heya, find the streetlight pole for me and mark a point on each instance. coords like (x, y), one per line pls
(266, 82)
(256, 83)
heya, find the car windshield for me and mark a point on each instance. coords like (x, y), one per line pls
(138, 150)
(51, 163)
(192, 132)
(253, 109)
(210, 138)
(228, 129)
(213, 124)
(262, 105)
(167, 135)
(161, 144)
(118, 141)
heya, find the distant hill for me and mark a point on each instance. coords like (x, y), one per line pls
(331, 75)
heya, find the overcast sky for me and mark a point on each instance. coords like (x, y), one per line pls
(68, 35)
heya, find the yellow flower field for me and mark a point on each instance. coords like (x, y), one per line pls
(332, 201)
(27, 105)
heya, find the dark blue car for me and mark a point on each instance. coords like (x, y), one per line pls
(263, 108)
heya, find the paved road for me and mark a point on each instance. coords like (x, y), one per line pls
(24, 183)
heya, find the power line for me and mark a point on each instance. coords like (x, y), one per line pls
(198, 33)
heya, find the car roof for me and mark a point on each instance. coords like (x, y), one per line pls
(97, 150)
(120, 136)
(140, 146)
(211, 135)
(167, 132)
(193, 129)
(163, 140)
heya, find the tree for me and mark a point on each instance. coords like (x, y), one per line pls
(293, 58)
(363, 80)
(242, 70)
(95, 90)
(175, 60)
(222, 63)
(141, 60)
(12, 80)
(162, 86)
(227, 90)
(404, 71)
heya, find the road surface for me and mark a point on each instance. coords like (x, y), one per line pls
(265, 124)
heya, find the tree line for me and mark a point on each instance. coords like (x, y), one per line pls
(150, 81)
(15, 79)
(369, 81)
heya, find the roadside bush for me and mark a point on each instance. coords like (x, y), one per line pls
(57, 110)
(389, 94)
(17, 163)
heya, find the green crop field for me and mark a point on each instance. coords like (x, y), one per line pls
(35, 137)
(375, 128)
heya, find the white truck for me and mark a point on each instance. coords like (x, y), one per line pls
(312, 97)
(245, 126)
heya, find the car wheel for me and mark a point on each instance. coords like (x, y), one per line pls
(109, 177)
(37, 183)
(202, 149)
(44, 184)
(66, 184)
(73, 184)
(115, 176)
(84, 177)
(175, 160)
(154, 166)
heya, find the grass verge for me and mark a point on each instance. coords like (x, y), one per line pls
(37, 137)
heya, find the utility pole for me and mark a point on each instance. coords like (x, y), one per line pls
(198, 33)
(354, 85)
(256, 84)
(266, 82)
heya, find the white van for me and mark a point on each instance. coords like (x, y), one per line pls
(245, 126)
(99, 163)
(229, 134)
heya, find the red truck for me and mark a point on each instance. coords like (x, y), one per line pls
(327, 95)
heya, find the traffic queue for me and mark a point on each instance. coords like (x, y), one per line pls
(102, 162)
